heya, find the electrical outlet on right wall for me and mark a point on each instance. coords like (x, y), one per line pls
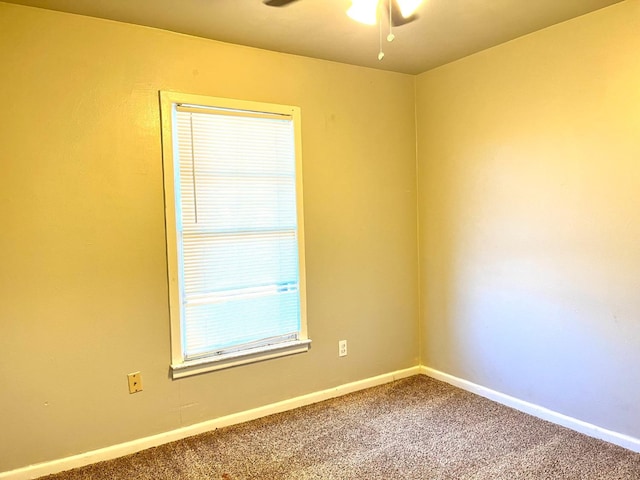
(342, 348)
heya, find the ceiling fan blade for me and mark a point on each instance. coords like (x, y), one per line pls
(278, 3)
(397, 20)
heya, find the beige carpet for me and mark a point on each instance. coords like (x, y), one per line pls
(416, 428)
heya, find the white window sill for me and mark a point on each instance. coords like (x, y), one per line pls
(209, 364)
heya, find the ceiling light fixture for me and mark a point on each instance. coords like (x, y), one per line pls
(400, 13)
(364, 11)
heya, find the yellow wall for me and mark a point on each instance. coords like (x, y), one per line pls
(529, 199)
(83, 272)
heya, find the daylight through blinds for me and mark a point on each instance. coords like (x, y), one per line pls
(237, 232)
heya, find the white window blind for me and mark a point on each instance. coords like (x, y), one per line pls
(236, 221)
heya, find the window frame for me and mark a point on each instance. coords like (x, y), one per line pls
(180, 367)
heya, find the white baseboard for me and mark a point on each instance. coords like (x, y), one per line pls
(616, 438)
(115, 451)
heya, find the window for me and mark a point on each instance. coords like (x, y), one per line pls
(233, 204)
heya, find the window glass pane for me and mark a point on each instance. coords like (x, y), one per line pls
(237, 204)
(241, 320)
(237, 232)
(217, 263)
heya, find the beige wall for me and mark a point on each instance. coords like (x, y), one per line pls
(83, 272)
(529, 181)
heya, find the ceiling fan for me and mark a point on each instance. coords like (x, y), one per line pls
(400, 12)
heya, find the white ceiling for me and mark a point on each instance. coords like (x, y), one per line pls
(445, 31)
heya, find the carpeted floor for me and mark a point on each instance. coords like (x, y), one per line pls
(416, 428)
